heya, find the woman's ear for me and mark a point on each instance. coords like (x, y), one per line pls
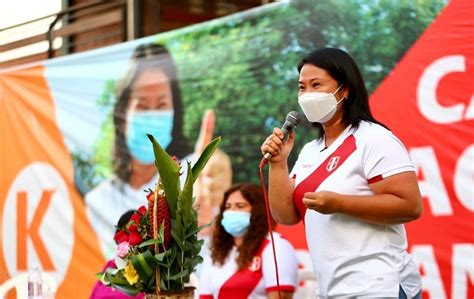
(345, 92)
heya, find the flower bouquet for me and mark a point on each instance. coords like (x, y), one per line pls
(158, 248)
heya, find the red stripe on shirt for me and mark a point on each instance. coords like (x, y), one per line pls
(243, 282)
(375, 179)
(325, 169)
(206, 297)
(283, 288)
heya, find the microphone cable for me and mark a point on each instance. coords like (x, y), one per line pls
(293, 118)
(262, 164)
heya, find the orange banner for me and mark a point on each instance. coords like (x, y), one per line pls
(43, 220)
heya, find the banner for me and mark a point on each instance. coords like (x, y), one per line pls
(428, 102)
(65, 125)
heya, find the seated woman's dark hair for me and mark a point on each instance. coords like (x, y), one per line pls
(222, 242)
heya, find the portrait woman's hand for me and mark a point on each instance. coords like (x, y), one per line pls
(215, 178)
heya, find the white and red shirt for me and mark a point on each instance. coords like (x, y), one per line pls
(352, 257)
(226, 281)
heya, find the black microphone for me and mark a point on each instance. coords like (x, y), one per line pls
(293, 118)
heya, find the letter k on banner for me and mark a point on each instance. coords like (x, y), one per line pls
(24, 230)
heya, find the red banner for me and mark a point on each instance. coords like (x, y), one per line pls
(428, 102)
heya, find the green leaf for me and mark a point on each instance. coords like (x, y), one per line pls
(186, 197)
(177, 239)
(206, 154)
(179, 275)
(197, 260)
(163, 285)
(127, 289)
(150, 242)
(151, 282)
(163, 264)
(195, 231)
(174, 253)
(121, 284)
(161, 232)
(169, 173)
(160, 256)
(145, 264)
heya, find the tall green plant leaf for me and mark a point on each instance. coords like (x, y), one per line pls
(186, 197)
(206, 154)
(169, 173)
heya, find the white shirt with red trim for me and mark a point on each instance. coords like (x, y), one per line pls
(261, 274)
(352, 257)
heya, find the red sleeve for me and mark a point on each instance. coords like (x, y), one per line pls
(283, 288)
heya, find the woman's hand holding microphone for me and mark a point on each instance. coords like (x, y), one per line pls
(277, 147)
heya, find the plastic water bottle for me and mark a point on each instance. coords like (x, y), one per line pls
(35, 284)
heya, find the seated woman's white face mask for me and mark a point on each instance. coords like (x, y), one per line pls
(319, 106)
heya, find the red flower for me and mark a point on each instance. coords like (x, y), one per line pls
(120, 236)
(136, 218)
(150, 195)
(162, 214)
(142, 210)
(134, 238)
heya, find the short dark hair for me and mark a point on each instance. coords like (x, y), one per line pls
(123, 220)
(342, 67)
(145, 57)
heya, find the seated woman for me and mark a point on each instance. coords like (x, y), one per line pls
(102, 291)
(241, 263)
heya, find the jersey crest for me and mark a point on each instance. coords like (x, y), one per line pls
(256, 264)
(322, 172)
(332, 164)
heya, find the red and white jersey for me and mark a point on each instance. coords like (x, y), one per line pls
(224, 282)
(350, 256)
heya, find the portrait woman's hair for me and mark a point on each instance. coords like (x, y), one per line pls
(345, 71)
(222, 242)
(146, 57)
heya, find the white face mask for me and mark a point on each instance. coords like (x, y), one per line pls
(319, 106)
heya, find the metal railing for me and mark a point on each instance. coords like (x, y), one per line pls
(77, 26)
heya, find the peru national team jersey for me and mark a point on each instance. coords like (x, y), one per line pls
(226, 282)
(352, 257)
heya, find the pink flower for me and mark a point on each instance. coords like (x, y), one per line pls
(122, 249)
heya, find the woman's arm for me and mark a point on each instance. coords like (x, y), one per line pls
(280, 187)
(284, 295)
(280, 194)
(397, 199)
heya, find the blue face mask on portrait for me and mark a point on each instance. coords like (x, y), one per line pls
(236, 223)
(158, 123)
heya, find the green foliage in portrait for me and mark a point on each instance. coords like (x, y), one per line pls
(244, 67)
